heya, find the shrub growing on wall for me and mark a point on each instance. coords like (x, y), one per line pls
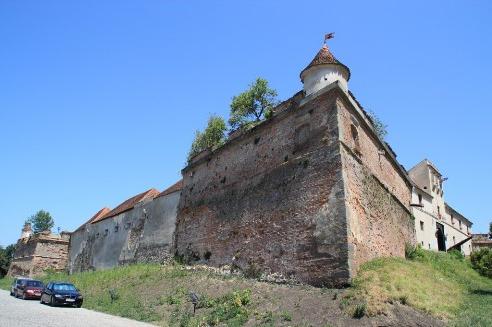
(253, 105)
(211, 138)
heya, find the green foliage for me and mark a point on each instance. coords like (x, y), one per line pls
(380, 127)
(6, 255)
(227, 310)
(253, 105)
(231, 308)
(437, 283)
(413, 251)
(456, 254)
(211, 138)
(359, 310)
(481, 261)
(41, 221)
(286, 316)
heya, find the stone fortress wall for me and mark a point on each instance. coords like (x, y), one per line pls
(297, 197)
(141, 233)
(309, 195)
(36, 253)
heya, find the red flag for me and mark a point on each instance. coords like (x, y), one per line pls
(329, 36)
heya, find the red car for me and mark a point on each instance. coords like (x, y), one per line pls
(29, 289)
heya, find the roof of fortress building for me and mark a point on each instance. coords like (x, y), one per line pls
(128, 204)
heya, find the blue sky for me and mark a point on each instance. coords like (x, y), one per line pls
(99, 100)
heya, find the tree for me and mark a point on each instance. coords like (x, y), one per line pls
(41, 221)
(6, 255)
(380, 127)
(253, 105)
(211, 138)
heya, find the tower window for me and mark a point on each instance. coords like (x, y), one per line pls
(459, 222)
(421, 225)
(420, 199)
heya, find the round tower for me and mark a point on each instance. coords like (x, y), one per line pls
(323, 70)
(26, 230)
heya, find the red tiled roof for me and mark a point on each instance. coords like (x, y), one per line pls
(98, 215)
(129, 204)
(325, 57)
(178, 186)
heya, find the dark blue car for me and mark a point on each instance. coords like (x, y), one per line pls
(59, 293)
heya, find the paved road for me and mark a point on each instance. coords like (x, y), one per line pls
(19, 313)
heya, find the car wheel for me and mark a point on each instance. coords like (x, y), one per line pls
(52, 302)
(41, 300)
(11, 293)
(24, 296)
(78, 305)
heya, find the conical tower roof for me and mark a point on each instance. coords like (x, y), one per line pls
(324, 57)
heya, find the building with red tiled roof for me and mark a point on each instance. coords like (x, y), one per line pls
(178, 186)
(97, 216)
(129, 204)
(140, 229)
(324, 70)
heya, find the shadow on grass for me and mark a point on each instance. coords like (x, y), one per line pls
(481, 292)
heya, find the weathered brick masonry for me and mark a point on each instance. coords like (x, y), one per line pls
(289, 197)
(310, 194)
(37, 253)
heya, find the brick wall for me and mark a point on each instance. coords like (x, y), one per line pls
(271, 200)
(39, 253)
(377, 193)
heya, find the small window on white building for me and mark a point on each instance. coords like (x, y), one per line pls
(429, 246)
(421, 225)
(422, 243)
(420, 199)
(459, 221)
(454, 239)
(452, 220)
(439, 211)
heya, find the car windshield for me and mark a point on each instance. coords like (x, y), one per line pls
(34, 283)
(64, 287)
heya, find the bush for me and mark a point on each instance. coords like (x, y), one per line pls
(481, 261)
(413, 251)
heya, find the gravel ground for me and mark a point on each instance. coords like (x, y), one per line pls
(19, 313)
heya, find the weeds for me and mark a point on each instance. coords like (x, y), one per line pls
(286, 316)
(360, 310)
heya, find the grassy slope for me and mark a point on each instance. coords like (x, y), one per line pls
(435, 283)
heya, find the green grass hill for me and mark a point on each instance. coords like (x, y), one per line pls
(432, 289)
